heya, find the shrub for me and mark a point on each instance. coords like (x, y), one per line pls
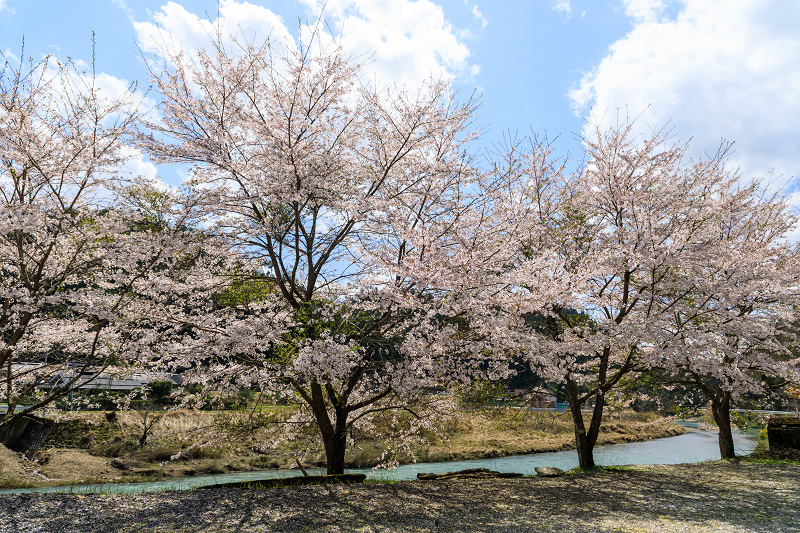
(744, 421)
(157, 453)
(481, 393)
(79, 434)
(160, 392)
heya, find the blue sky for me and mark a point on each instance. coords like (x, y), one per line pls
(711, 69)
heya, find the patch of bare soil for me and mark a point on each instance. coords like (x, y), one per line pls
(74, 465)
(12, 464)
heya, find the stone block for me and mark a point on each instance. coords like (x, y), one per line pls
(784, 433)
(548, 471)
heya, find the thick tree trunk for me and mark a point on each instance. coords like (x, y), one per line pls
(584, 440)
(334, 434)
(336, 448)
(721, 408)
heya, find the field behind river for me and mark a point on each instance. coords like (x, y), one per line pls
(91, 447)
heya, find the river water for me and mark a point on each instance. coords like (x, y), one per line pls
(691, 447)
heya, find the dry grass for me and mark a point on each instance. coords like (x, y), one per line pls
(180, 421)
(90, 446)
(512, 431)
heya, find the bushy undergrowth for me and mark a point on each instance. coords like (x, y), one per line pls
(264, 462)
(80, 434)
(745, 421)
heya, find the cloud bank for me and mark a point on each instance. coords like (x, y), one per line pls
(403, 42)
(713, 70)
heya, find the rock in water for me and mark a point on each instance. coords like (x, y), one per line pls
(548, 471)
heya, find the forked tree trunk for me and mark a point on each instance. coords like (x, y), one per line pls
(721, 409)
(584, 439)
(336, 446)
(334, 433)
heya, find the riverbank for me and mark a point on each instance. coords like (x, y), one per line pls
(716, 496)
(496, 433)
(87, 450)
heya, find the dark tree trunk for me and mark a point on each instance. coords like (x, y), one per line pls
(334, 433)
(721, 408)
(335, 450)
(584, 440)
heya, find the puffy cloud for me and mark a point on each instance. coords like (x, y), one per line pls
(176, 28)
(136, 165)
(406, 41)
(403, 42)
(124, 7)
(644, 10)
(712, 70)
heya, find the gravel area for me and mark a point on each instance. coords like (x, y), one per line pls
(717, 496)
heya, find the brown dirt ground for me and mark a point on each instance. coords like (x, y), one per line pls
(12, 464)
(64, 464)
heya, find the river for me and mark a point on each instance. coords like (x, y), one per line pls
(691, 447)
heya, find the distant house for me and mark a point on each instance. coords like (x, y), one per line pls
(95, 379)
(536, 398)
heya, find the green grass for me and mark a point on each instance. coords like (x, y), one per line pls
(15, 483)
(769, 460)
(599, 469)
(370, 481)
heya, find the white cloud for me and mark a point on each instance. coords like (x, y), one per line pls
(563, 6)
(111, 89)
(404, 42)
(176, 28)
(4, 7)
(644, 10)
(714, 70)
(407, 41)
(137, 166)
(114, 88)
(479, 16)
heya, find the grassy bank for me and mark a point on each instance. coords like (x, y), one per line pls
(501, 432)
(92, 447)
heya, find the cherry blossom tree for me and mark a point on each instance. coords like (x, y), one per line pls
(343, 197)
(738, 300)
(626, 259)
(73, 264)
